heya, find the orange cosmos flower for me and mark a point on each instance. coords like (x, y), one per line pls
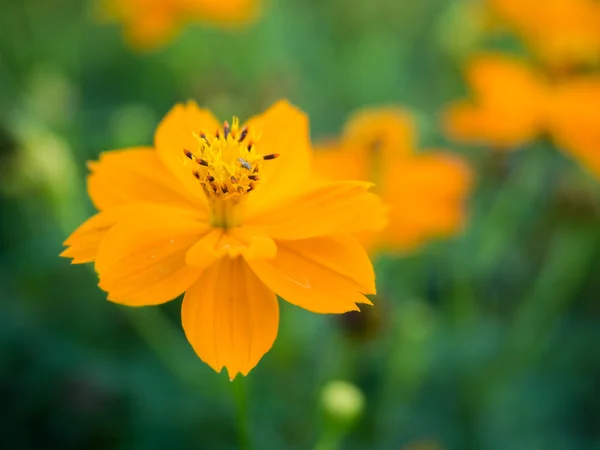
(231, 216)
(508, 106)
(563, 33)
(513, 105)
(150, 23)
(425, 192)
(574, 120)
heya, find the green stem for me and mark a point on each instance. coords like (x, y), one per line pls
(554, 287)
(241, 406)
(329, 441)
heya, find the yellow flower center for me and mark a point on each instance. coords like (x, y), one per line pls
(227, 168)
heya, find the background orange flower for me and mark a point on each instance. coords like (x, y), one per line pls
(513, 104)
(507, 106)
(562, 33)
(151, 23)
(426, 192)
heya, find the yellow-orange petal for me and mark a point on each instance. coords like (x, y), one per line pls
(283, 129)
(136, 175)
(141, 260)
(334, 161)
(575, 122)
(230, 317)
(509, 104)
(230, 12)
(234, 242)
(150, 31)
(175, 133)
(427, 195)
(304, 274)
(83, 243)
(389, 131)
(327, 208)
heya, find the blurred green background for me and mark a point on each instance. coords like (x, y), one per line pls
(487, 341)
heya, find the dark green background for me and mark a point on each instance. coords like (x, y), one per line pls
(488, 341)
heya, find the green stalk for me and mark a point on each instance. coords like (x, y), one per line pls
(241, 406)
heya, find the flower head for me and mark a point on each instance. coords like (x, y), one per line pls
(512, 105)
(151, 23)
(507, 107)
(231, 215)
(563, 33)
(425, 192)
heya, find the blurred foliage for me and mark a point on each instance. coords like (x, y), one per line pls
(484, 342)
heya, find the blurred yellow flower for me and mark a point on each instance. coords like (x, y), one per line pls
(574, 120)
(425, 192)
(562, 33)
(214, 212)
(512, 105)
(507, 107)
(151, 23)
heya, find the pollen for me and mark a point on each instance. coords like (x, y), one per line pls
(225, 163)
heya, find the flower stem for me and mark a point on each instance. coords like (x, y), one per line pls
(241, 406)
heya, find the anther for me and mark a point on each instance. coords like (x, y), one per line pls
(254, 177)
(218, 134)
(233, 179)
(202, 162)
(245, 164)
(243, 134)
(224, 189)
(187, 153)
(203, 136)
(271, 156)
(226, 129)
(210, 178)
(197, 175)
(250, 144)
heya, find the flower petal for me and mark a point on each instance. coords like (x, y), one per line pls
(574, 120)
(230, 317)
(337, 162)
(427, 194)
(509, 104)
(176, 133)
(327, 208)
(388, 130)
(323, 275)
(141, 260)
(282, 129)
(83, 243)
(137, 175)
(239, 241)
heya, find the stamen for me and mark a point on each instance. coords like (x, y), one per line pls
(243, 134)
(227, 169)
